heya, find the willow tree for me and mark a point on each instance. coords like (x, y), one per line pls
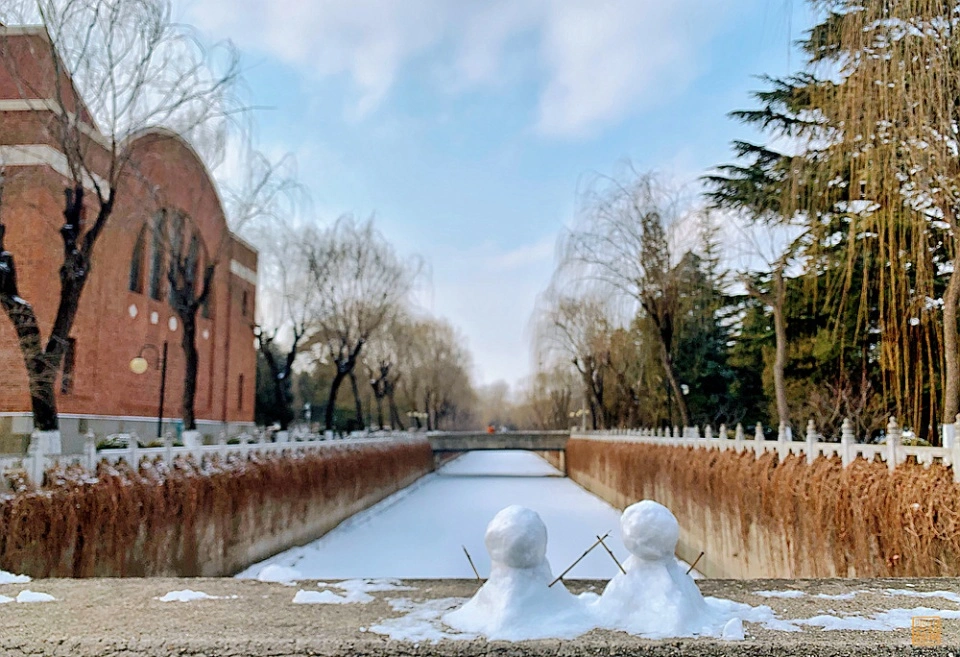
(576, 330)
(894, 119)
(101, 72)
(623, 244)
(361, 283)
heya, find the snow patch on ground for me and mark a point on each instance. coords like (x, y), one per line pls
(33, 596)
(355, 591)
(4, 599)
(882, 621)
(10, 578)
(839, 596)
(947, 595)
(789, 593)
(279, 574)
(186, 595)
(421, 621)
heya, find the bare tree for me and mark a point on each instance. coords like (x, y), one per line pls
(448, 394)
(361, 284)
(623, 242)
(577, 331)
(263, 194)
(100, 72)
(286, 306)
(385, 359)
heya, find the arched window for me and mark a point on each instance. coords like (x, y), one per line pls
(157, 260)
(136, 262)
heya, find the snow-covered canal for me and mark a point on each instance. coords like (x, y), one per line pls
(419, 532)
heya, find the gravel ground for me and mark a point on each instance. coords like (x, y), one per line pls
(121, 617)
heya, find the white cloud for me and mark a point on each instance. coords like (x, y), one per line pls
(524, 255)
(595, 60)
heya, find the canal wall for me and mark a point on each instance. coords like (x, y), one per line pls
(209, 518)
(758, 517)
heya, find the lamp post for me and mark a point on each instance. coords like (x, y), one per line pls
(139, 365)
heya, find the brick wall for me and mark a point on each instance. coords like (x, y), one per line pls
(113, 323)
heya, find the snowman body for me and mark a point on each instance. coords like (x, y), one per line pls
(517, 601)
(655, 597)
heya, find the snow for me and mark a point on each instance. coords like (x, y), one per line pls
(356, 591)
(10, 578)
(517, 602)
(947, 595)
(186, 595)
(33, 596)
(326, 598)
(655, 598)
(789, 593)
(733, 630)
(429, 521)
(883, 621)
(279, 574)
(850, 595)
(4, 599)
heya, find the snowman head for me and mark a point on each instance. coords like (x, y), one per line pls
(516, 537)
(650, 531)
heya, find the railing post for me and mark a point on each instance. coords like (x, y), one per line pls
(36, 459)
(782, 448)
(133, 444)
(708, 432)
(168, 449)
(955, 451)
(893, 443)
(90, 451)
(758, 439)
(222, 444)
(846, 442)
(811, 441)
(738, 437)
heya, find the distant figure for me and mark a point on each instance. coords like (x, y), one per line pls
(490, 429)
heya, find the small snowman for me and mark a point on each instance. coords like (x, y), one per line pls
(517, 602)
(655, 597)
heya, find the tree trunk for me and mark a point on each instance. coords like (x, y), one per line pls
(667, 363)
(780, 361)
(191, 361)
(358, 406)
(332, 398)
(379, 400)
(43, 363)
(951, 382)
(394, 412)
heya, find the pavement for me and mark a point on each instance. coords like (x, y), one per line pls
(123, 618)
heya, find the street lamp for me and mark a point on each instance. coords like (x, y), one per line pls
(139, 365)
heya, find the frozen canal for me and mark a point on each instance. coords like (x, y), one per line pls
(418, 532)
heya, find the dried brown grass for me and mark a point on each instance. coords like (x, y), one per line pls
(160, 520)
(863, 520)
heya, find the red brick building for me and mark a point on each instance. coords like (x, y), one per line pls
(125, 303)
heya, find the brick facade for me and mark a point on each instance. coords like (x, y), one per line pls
(114, 321)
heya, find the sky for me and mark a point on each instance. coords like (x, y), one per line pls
(468, 128)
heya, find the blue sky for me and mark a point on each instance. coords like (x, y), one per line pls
(468, 126)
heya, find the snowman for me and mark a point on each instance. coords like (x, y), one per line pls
(654, 597)
(516, 602)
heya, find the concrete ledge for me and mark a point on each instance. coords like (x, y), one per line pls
(122, 617)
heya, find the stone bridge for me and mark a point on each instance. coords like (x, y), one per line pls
(471, 441)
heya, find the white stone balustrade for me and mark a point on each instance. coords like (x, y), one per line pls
(38, 460)
(892, 451)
